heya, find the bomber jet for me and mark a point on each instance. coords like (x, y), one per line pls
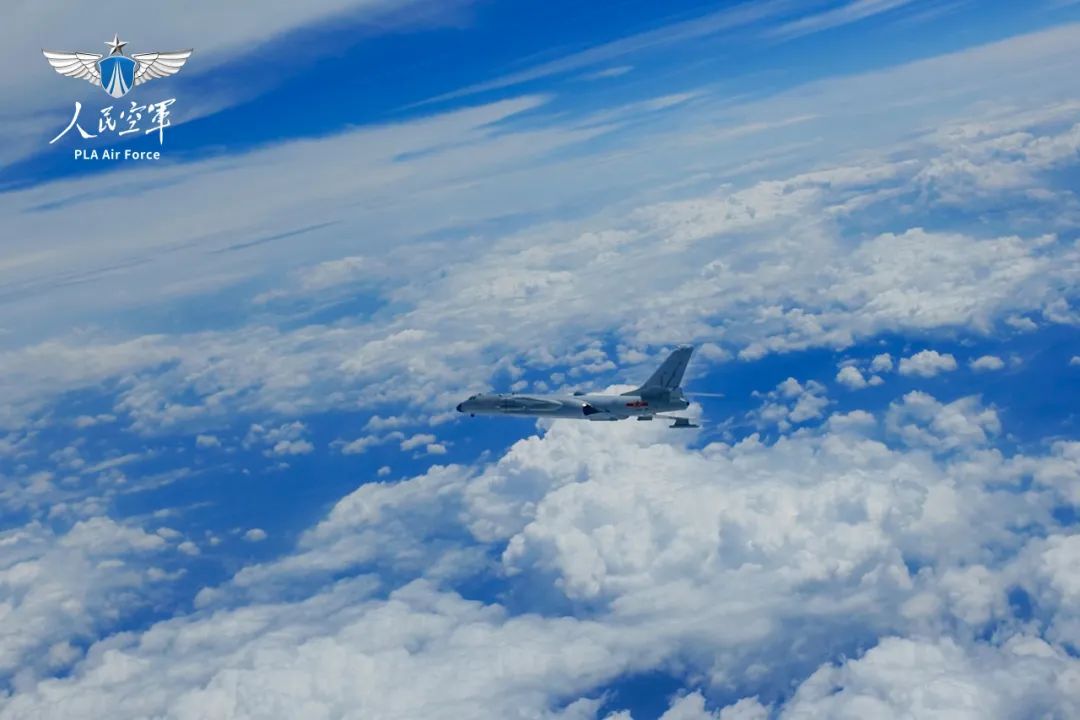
(661, 393)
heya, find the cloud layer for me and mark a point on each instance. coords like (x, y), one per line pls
(917, 557)
(622, 553)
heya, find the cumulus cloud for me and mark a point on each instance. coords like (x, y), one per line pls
(411, 443)
(792, 403)
(927, 364)
(292, 371)
(881, 363)
(900, 678)
(745, 709)
(292, 447)
(58, 590)
(501, 664)
(188, 548)
(988, 163)
(987, 363)
(361, 444)
(850, 377)
(255, 535)
(1023, 324)
(621, 549)
(282, 441)
(921, 421)
(706, 558)
(688, 707)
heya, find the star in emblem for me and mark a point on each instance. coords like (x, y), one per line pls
(118, 73)
(115, 45)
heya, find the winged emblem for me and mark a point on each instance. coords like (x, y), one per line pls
(117, 73)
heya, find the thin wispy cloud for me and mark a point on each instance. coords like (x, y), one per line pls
(930, 13)
(721, 21)
(611, 72)
(836, 17)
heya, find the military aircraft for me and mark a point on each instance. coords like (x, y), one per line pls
(661, 393)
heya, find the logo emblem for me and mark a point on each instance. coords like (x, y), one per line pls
(117, 74)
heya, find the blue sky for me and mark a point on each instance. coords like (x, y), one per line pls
(233, 481)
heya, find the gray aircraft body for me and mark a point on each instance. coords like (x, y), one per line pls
(661, 393)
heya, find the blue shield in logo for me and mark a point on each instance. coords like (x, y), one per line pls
(117, 75)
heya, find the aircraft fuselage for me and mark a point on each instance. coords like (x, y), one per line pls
(590, 406)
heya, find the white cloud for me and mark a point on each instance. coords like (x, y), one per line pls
(921, 421)
(1074, 360)
(927, 364)
(850, 377)
(1021, 323)
(58, 588)
(705, 557)
(291, 447)
(792, 403)
(340, 636)
(939, 678)
(745, 709)
(282, 441)
(1062, 475)
(361, 444)
(188, 548)
(111, 463)
(207, 441)
(607, 73)
(881, 363)
(794, 285)
(987, 363)
(417, 440)
(85, 421)
(688, 707)
(849, 12)
(325, 276)
(725, 20)
(255, 535)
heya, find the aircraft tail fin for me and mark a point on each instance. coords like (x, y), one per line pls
(669, 375)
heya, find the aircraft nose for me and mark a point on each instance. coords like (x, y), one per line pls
(459, 407)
